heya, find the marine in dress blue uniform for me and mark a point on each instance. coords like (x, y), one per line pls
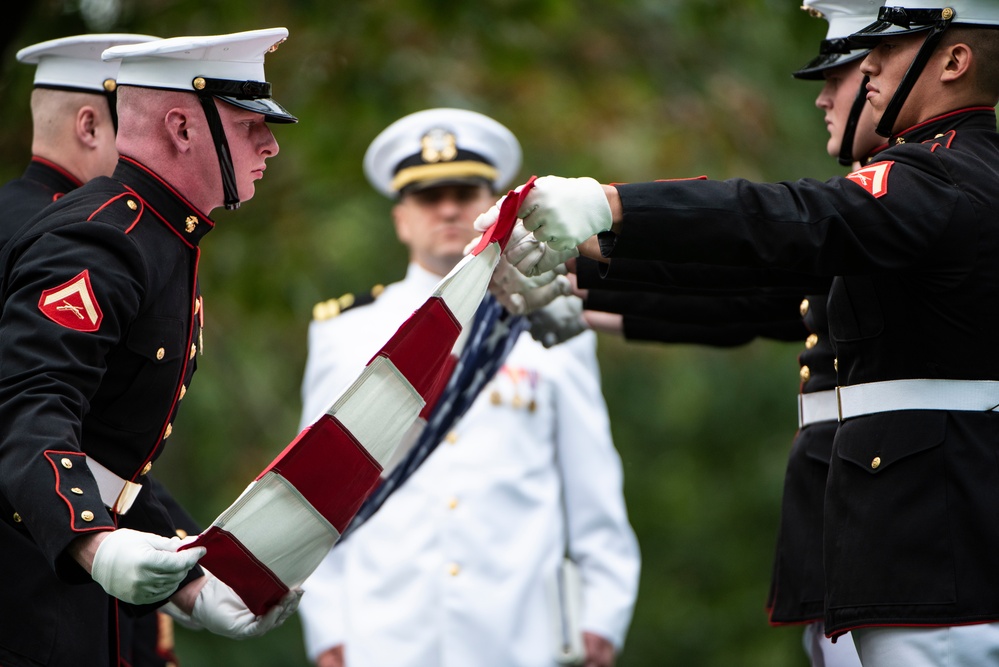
(101, 325)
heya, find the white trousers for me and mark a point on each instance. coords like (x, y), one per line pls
(824, 653)
(951, 646)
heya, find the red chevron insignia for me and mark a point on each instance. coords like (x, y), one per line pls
(73, 304)
(873, 178)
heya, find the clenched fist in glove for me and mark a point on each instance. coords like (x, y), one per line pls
(530, 256)
(564, 212)
(219, 610)
(141, 568)
(520, 294)
(559, 321)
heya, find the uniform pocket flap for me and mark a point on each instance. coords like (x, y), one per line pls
(158, 339)
(876, 442)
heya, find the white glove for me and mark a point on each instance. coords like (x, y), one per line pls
(521, 295)
(219, 610)
(559, 321)
(530, 256)
(141, 568)
(489, 218)
(564, 212)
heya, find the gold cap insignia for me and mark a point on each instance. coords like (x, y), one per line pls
(813, 12)
(947, 13)
(439, 146)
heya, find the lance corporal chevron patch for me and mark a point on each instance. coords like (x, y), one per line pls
(873, 178)
(73, 304)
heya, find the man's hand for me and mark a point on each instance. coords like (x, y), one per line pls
(218, 609)
(564, 212)
(138, 567)
(530, 256)
(558, 321)
(521, 295)
(331, 657)
(599, 651)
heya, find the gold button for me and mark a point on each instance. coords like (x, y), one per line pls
(452, 437)
(66, 463)
(181, 533)
(87, 515)
(452, 503)
(183, 390)
(495, 398)
(190, 223)
(194, 350)
(453, 569)
(146, 468)
(805, 373)
(947, 13)
(110, 85)
(131, 204)
(836, 364)
(77, 490)
(17, 518)
(811, 341)
(803, 307)
(160, 353)
(168, 431)
(876, 462)
(199, 83)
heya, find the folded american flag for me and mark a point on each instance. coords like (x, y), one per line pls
(283, 524)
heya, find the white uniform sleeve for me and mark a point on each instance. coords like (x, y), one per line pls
(326, 373)
(322, 606)
(601, 541)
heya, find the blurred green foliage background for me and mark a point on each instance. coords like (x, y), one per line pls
(621, 90)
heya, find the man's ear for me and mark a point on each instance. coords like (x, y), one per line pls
(178, 129)
(401, 226)
(957, 60)
(85, 126)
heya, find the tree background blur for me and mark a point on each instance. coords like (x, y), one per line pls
(621, 90)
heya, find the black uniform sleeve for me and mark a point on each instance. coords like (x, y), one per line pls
(49, 372)
(729, 334)
(820, 228)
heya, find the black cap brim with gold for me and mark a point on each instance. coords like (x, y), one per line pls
(442, 146)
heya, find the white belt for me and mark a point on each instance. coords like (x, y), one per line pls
(117, 493)
(817, 406)
(959, 395)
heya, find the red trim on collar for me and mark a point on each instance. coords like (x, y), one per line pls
(166, 185)
(53, 166)
(941, 117)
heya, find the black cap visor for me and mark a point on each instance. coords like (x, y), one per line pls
(820, 64)
(271, 110)
(897, 21)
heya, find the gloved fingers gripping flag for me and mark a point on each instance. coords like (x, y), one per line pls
(279, 529)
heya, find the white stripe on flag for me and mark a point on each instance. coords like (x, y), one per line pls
(280, 528)
(462, 289)
(378, 408)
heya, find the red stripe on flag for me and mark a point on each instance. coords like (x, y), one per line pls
(439, 385)
(422, 345)
(330, 468)
(500, 231)
(231, 562)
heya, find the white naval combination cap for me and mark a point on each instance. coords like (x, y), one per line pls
(442, 147)
(845, 17)
(75, 63)
(228, 67)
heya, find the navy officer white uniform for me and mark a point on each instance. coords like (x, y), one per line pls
(452, 570)
(101, 326)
